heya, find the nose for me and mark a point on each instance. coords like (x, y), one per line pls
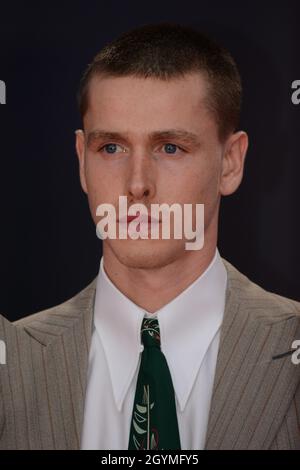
(141, 177)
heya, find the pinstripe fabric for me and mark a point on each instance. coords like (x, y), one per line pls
(255, 402)
(254, 397)
(43, 383)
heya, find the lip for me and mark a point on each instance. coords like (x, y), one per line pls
(142, 219)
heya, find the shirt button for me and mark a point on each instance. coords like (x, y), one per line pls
(142, 348)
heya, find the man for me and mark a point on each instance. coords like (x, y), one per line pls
(160, 109)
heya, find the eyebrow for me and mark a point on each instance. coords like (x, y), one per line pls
(168, 134)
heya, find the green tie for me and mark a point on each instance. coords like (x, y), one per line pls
(154, 420)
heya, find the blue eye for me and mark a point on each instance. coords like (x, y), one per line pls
(170, 148)
(110, 148)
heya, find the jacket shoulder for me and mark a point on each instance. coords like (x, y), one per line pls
(249, 292)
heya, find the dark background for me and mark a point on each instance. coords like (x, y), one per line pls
(48, 246)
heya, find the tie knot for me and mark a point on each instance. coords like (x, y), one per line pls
(150, 333)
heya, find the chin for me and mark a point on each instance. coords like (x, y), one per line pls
(146, 254)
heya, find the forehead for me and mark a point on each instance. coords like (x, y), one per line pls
(147, 103)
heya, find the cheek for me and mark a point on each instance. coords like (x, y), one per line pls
(102, 186)
(95, 190)
(99, 181)
(199, 185)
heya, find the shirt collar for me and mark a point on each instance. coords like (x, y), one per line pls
(188, 324)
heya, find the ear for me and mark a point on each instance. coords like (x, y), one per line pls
(233, 162)
(80, 150)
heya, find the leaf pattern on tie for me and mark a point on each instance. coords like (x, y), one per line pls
(141, 416)
(151, 326)
(143, 436)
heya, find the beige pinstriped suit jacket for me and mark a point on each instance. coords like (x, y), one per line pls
(256, 399)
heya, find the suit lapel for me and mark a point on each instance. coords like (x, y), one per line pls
(251, 390)
(65, 332)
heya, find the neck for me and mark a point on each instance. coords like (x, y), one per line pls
(167, 281)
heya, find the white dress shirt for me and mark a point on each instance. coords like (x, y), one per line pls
(189, 332)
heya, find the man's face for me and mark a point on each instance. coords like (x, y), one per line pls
(153, 141)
